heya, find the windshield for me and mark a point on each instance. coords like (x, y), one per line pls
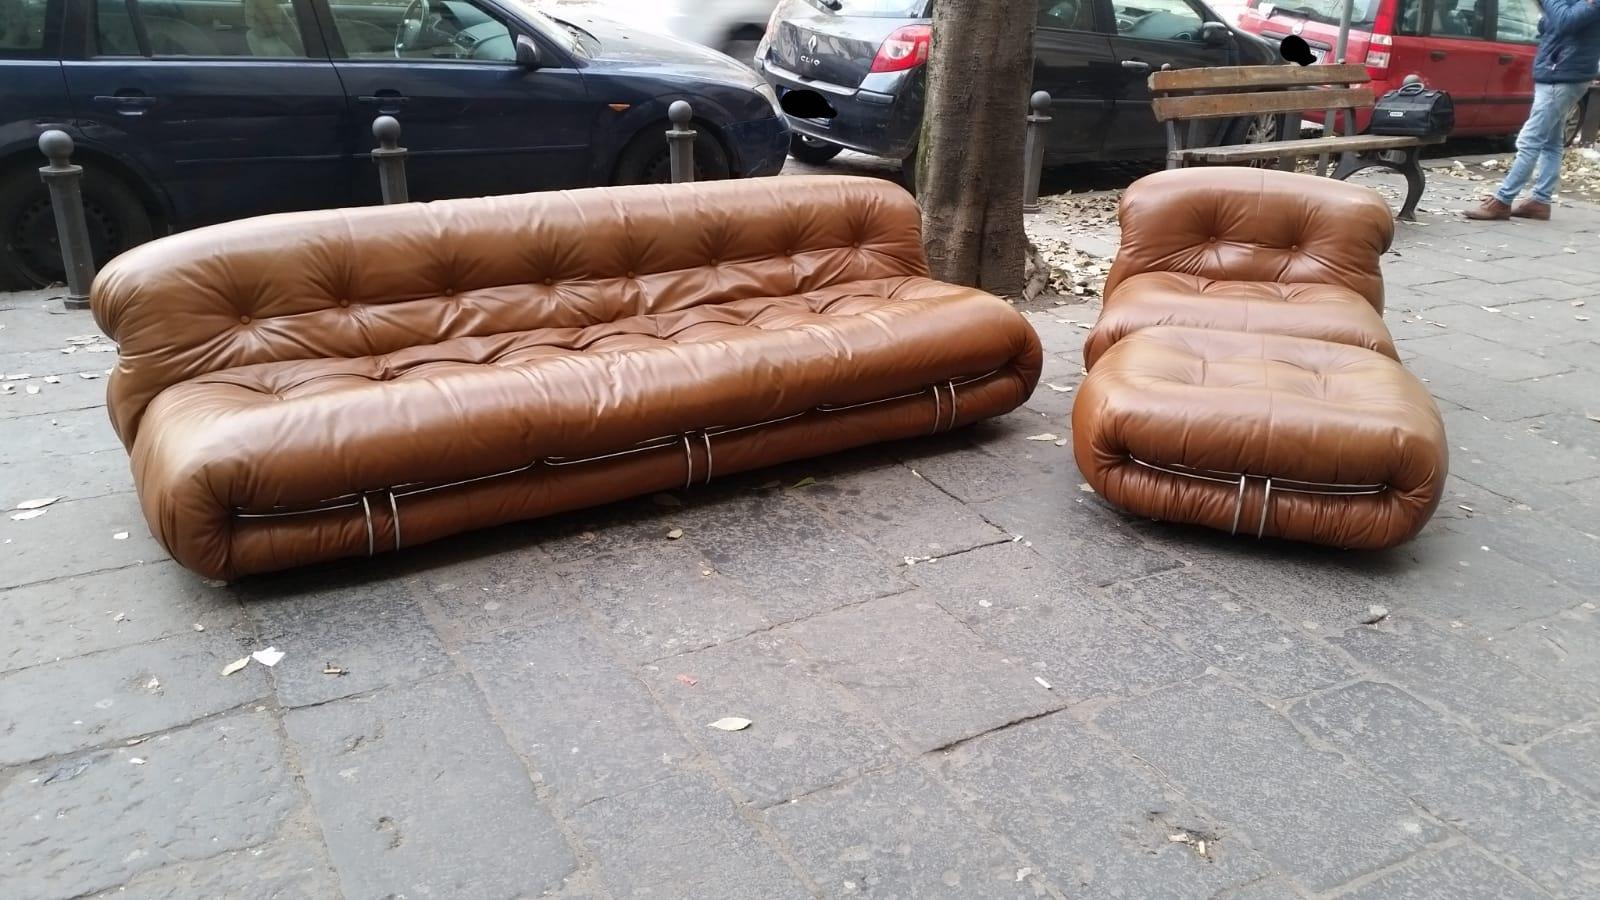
(1362, 14)
(571, 38)
(877, 9)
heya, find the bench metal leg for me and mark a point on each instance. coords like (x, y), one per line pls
(1410, 167)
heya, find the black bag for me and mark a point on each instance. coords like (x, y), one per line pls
(1413, 111)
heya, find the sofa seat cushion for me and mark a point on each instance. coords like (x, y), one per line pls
(285, 438)
(1262, 434)
(1329, 312)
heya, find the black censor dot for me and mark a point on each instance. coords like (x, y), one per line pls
(1295, 49)
(806, 104)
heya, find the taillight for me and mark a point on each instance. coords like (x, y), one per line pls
(906, 49)
(1378, 60)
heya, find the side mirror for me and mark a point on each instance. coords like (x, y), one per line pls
(527, 52)
(1214, 34)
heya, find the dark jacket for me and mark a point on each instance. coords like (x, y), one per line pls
(1569, 42)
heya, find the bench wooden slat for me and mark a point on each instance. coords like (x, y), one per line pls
(1223, 77)
(1359, 143)
(1227, 106)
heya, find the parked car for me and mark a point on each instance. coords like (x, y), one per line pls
(866, 58)
(732, 26)
(188, 112)
(1480, 51)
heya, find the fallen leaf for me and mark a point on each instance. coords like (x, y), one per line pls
(1062, 443)
(807, 481)
(136, 761)
(1060, 389)
(120, 617)
(1489, 309)
(268, 657)
(1042, 683)
(331, 669)
(1047, 436)
(674, 534)
(120, 536)
(88, 376)
(39, 503)
(666, 500)
(235, 666)
(29, 514)
(689, 680)
(1375, 614)
(1179, 838)
(199, 627)
(730, 723)
(52, 379)
(588, 537)
(1085, 487)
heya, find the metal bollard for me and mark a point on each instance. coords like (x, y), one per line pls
(1034, 151)
(390, 158)
(680, 142)
(72, 230)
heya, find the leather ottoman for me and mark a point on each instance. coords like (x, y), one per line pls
(1262, 434)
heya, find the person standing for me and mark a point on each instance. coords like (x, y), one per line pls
(1563, 67)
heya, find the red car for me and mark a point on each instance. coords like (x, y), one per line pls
(1481, 51)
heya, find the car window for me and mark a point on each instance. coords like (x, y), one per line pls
(1159, 20)
(1459, 18)
(258, 29)
(22, 28)
(1518, 22)
(422, 31)
(1410, 18)
(1074, 15)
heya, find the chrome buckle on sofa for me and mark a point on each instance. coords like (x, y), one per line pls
(1282, 485)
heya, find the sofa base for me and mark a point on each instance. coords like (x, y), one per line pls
(408, 515)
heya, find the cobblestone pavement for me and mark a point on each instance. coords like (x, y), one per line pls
(967, 677)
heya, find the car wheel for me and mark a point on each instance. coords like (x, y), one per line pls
(1574, 123)
(1262, 129)
(646, 160)
(811, 151)
(30, 252)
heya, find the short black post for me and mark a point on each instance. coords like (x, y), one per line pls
(680, 142)
(1038, 118)
(391, 160)
(72, 230)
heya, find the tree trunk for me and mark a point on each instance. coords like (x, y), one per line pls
(970, 165)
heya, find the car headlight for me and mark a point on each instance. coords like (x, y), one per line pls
(771, 93)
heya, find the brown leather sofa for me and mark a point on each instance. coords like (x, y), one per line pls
(1241, 376)
(311, 386)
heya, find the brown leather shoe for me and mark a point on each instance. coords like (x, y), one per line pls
(1531, 209)
(1490, 210)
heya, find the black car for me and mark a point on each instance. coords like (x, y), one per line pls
(865, 58)
(187, 112)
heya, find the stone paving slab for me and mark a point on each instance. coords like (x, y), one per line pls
(965, 676)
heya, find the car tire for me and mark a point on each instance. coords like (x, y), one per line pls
(30, 255)
(1262, 129)
(647, 160)
(1571, 128)
(811, 151)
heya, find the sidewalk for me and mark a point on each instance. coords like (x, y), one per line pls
(966, 676)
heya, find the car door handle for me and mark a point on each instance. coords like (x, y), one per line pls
(1505, 59)
(1136, 65)
(383, 99)
(1437, 55)
(126, 104)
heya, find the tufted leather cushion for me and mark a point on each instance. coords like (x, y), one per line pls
(1241, 224)
(1328, 312)
(316, 385)
(1223, 404)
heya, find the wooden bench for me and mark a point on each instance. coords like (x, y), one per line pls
(1195, 96)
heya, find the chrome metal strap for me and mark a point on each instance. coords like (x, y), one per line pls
(366, 511)
(394, 515)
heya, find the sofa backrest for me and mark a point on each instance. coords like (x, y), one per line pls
(362, 282)
(1241, 224)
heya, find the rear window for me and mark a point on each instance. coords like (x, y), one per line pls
(880, 9)
(1362, 16)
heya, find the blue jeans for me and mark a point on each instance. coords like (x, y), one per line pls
(1539, 145)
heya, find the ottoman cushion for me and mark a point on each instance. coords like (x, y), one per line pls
(1329, 312)
(1189, 425)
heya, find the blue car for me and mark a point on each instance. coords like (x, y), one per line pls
(188, 112)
